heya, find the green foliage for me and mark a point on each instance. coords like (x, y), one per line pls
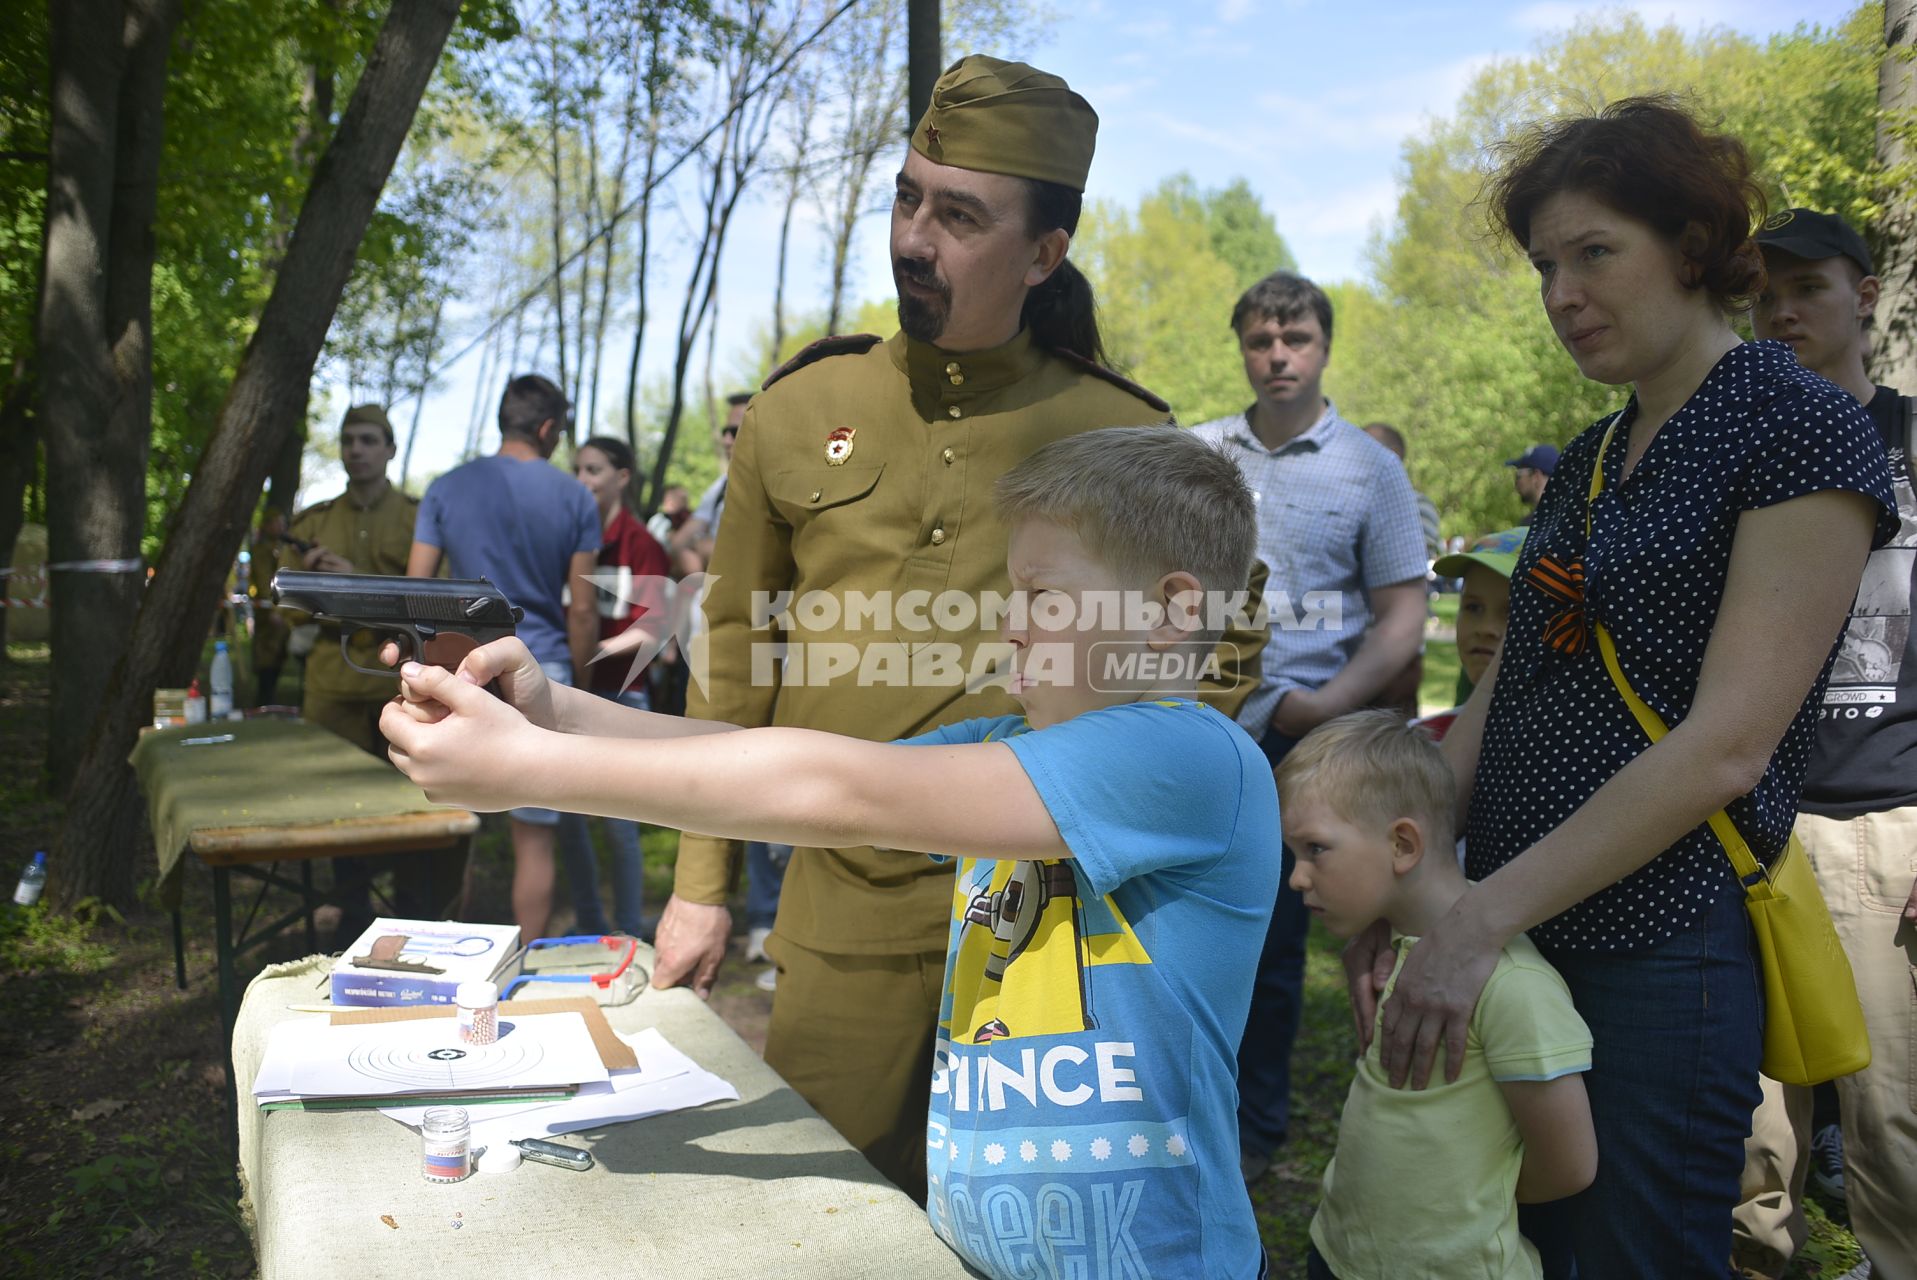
(23, 175)
(1166, 275)
(39, 940)
(241, 136)
(1244, 234)
(1451, 345)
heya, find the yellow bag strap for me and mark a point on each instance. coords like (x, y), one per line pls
(1743, 861)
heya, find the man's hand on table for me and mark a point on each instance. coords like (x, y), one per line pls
(691, 945)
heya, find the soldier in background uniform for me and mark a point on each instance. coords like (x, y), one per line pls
(867, 466)
(367, 529)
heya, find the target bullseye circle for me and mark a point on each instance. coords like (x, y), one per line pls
(501, 1063)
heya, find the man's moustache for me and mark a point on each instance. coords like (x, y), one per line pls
(918, 273)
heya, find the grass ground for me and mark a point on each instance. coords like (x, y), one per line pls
(111, 1160)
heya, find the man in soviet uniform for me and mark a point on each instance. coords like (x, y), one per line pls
(367, 529)
(866, 467)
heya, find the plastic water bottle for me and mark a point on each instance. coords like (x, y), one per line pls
(32, 881)
(221, 704)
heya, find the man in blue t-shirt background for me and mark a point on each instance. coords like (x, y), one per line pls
(530, 529)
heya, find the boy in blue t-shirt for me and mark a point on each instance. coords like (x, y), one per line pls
(1117, 846)
(1368, 802)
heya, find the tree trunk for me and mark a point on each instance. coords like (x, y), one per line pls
(419, 392)
(95, 340)
(1894, 359)
(653, 489)
(558, 215)
(785, 240)
(105, 821)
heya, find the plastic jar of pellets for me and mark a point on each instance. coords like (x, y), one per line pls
(478, 1012)
(446, 1145)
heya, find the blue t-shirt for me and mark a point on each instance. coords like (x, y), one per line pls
(518, 524)
(1084, 1091)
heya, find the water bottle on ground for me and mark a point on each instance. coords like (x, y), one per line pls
(32, 881)
(220, 705)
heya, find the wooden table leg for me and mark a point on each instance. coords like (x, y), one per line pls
(179, 952)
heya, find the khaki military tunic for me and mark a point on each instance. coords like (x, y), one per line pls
(870, 469)
(376, 539)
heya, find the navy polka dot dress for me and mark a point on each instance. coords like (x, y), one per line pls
(1761, 430)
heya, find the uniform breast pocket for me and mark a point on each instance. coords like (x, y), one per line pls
(800, 494)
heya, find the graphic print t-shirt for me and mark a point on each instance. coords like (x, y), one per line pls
(1865, 760)
(1084, 1095)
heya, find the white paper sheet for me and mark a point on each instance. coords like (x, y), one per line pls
(318, 1060)
(667, 1080)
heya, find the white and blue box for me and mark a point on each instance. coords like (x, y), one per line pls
(427, 967)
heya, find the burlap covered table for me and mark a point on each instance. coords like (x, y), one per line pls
(755, 1189)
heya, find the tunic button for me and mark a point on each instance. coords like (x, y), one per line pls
(938, 537)
(949, 457)
(953, 369)
(953, 411)
(957, 379)
(817, 494)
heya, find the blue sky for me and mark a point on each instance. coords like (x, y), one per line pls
(1309, 100)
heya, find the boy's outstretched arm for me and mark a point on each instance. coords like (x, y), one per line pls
(791, 786)
(1560, 1146)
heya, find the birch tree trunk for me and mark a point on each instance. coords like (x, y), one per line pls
(95, 340)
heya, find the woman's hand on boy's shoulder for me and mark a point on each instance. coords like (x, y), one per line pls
(1437, 992)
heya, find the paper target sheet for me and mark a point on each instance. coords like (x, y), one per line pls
(426, 1056)
(667, 1080)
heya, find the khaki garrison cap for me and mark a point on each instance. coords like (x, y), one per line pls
(1006, 117)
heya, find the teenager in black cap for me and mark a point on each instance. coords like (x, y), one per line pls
(1858, 817)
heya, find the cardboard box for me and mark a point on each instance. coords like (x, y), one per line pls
(457, 952)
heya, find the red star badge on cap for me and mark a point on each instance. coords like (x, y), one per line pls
(932, 133)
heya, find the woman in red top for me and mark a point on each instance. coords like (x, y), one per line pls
(632, 579)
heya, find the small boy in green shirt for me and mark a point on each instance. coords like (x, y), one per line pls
(1367, 803)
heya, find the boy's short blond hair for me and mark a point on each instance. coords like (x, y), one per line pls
(1373, 768)
(1147, 500)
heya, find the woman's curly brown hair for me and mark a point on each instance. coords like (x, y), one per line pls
(1648, 158)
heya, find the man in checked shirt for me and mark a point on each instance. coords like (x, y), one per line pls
(1338, 525)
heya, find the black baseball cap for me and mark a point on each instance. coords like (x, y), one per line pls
(1539, 457)
(1809, 234)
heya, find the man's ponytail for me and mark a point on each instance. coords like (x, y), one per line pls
(1061, 313)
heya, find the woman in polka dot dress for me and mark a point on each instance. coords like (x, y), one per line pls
(1739, 497)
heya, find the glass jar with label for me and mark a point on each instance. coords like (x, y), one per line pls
(446, 1144)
